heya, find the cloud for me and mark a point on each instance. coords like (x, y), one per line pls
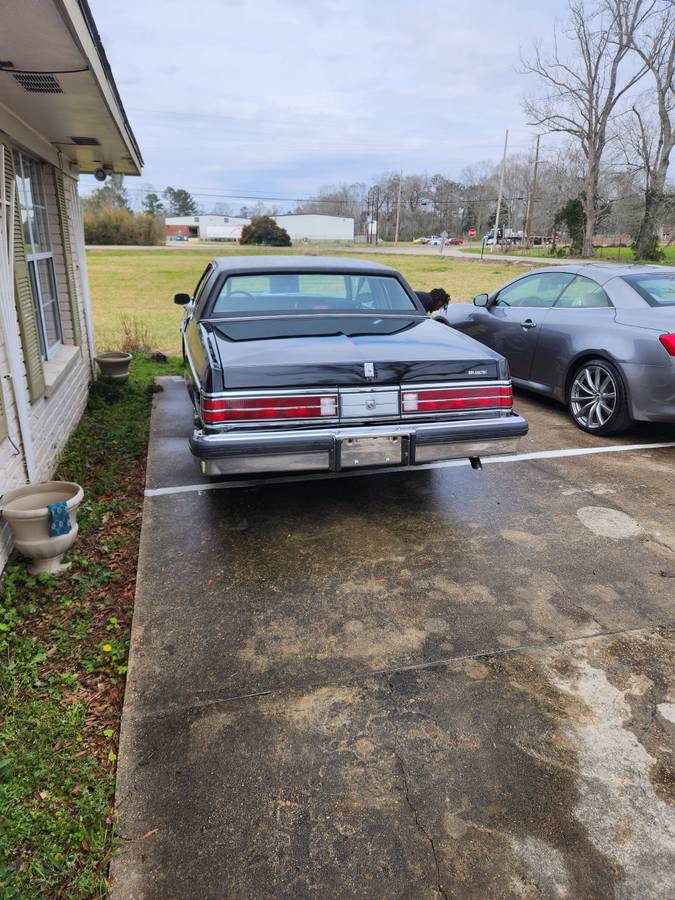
(284, 95)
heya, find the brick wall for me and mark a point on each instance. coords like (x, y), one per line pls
(53, 417)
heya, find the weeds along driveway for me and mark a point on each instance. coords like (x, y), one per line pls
(441, 683)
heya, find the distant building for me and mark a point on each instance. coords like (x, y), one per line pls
(206, 228)
(311, 227)
(301, 227)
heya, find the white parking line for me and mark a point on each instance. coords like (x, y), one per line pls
(444, 464)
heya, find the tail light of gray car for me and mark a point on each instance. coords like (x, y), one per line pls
(223, 410)
(668, 341)
(450, 399)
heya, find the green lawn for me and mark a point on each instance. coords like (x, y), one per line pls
(132, 290)
(63, 660)
(608, 254)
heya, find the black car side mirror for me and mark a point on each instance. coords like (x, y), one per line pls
(182, 299)
(481, 300)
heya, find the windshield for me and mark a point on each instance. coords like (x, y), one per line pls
(293, 292)
(657, 290)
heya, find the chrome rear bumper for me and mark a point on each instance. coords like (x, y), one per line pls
(336, 449)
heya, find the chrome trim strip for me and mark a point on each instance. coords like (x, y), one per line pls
(289, 314)
(276, 392)
(272, 392)
(427, 430)
(444, 385)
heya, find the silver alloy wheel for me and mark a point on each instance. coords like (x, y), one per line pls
(593, 396)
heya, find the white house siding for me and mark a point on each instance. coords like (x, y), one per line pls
(54, 416)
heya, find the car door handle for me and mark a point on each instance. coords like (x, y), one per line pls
(528, 323)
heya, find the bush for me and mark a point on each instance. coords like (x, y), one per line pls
(119, 226)
(264, 230)
(136, 336)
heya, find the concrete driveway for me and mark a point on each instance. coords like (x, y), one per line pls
(442, 683)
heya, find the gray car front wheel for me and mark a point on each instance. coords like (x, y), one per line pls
(597, 398)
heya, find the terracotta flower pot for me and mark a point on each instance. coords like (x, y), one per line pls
(25, 509)
(114, 364)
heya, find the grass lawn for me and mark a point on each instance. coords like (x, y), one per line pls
(63, 657)
(607, 254)
(132, 290)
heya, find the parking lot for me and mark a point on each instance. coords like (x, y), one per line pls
(435, 683)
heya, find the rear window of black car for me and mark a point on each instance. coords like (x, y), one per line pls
(656, 289)
(315, 292)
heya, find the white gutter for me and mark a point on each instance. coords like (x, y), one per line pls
(9, 326)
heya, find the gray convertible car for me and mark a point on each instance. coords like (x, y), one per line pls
(329, 364)
(599, 338)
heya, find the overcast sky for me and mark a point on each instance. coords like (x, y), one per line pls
(282, 96)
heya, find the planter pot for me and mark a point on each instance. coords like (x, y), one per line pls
(25, 509)
(114, 364)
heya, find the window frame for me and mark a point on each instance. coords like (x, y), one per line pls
(579, 277)
(209, 312)
(530, 276)
(634, 282)
(22, 161)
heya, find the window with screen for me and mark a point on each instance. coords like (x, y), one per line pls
(39, 254)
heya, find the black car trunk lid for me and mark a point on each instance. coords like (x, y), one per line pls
(299, 351)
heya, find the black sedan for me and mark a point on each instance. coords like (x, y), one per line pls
(299, 363)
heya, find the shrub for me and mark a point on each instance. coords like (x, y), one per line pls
(119, 226)
(136, 336)
(264, 230)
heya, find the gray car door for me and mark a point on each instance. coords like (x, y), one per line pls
(578, 321)
(512, 326)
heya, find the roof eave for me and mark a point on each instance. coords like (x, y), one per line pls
(80, 21)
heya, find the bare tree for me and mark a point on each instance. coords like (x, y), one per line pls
(653, 140)
(584, 86)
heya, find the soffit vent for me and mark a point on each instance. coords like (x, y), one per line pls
(36, 83)
(85, 141)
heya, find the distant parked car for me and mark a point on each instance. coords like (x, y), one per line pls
(454, 242)
(435, 240)
(178, 237)
(327, 364)
(420, 240)
(599, 338)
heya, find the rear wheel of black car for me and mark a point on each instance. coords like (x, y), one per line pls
(597, 398)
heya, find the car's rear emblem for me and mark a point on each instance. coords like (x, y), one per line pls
(369, 370)
(370, 404)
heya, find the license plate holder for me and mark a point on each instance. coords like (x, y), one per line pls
(386, 450)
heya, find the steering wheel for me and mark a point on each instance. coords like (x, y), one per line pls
(244, 293)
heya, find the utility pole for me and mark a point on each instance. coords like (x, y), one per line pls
(376, 215)
(398, 207)
(530, 196)
(501, 191)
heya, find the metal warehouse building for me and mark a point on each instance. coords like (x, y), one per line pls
(312, 227)
(301, 227)
(206, 228)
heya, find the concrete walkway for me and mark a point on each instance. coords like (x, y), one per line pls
(446, 683)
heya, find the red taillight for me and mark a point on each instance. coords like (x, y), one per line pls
(247, 409)
(449, 399)
(668, 341)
